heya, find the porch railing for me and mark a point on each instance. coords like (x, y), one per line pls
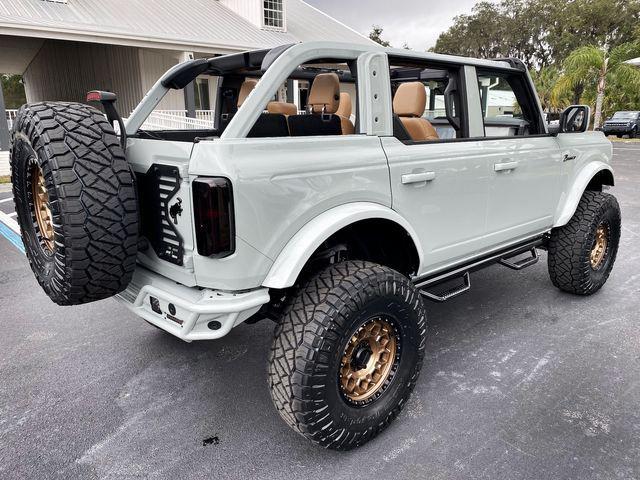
(11, 116)
(178, 120)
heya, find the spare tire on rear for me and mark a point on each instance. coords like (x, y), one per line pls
(75, 200)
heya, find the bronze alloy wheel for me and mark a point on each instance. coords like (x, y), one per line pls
(599, 249)
(369, 361)
(41, 210)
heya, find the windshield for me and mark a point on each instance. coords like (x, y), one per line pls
(625, 115)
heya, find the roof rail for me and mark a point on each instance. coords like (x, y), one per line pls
(513, 62)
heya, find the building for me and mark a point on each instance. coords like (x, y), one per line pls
(63, 48)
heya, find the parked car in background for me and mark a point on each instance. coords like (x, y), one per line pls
(622, 123)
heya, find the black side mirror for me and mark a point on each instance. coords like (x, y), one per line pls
(575, 119)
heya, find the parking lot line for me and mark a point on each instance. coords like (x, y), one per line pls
(10, 230)
(10, 199)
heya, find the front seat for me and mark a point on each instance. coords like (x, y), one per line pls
(409, 103)
(344, 112)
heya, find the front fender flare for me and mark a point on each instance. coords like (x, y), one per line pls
(305, 242)
(569, 202)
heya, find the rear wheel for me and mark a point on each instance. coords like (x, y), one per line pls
(347, 353)
(76, 202)
(582, 252)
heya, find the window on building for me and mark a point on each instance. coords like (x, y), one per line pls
(273, 14)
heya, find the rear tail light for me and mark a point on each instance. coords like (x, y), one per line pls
(213, 214)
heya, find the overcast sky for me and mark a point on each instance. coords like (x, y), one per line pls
(417, 22)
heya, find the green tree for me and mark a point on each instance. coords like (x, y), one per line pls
(540, 32)
(595, 66)
(376, 36)
(13, 90)
(545, 80)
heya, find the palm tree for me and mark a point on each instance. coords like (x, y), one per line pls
(592, 65)
(545, 80)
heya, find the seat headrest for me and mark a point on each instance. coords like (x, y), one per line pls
(344, 110)
(283, 108)
(325, 93)
(410, 100)
(247, 87)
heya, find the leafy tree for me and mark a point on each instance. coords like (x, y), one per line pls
(540, 32)
(545, 81)
(594, 66)
(13, 90)
(376, 36)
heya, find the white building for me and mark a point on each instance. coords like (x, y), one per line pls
(64, 48)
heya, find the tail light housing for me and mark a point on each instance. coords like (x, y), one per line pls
(213, 216)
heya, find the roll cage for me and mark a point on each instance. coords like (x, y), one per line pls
(274, 66)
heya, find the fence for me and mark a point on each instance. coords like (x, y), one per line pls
(11, 116)
(178, 120)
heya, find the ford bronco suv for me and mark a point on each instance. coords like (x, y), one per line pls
(338, 189)
(622, 123)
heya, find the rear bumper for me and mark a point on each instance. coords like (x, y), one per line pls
(187, 312)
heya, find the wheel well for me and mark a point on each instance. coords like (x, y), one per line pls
(603, 177)
(376, 240)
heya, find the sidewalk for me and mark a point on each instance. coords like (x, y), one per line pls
(4, 163)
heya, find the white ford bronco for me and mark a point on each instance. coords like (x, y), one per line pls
(337, 189)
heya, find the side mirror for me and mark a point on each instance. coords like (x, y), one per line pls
(574, 119)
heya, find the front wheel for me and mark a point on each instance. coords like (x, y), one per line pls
(582, 252)
(347, 353)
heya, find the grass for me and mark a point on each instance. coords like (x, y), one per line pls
(613, 138)
(5, 179)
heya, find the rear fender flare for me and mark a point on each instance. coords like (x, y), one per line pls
(571, 198)
(305, 242)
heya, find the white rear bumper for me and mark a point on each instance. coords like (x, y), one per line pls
(189, 313)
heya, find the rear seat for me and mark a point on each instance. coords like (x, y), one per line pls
(323, 103)
(267, 124)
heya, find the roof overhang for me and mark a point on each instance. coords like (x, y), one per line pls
(129, 40)
(17, 53)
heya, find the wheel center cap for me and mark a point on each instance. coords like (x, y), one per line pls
(361, 356)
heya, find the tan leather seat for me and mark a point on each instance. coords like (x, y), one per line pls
(245, 89)
(282, 108)
(322, 105)
(344, 112)
(324, 96)
(409, 103)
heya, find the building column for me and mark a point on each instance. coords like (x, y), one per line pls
(189, 90)
(4, 124)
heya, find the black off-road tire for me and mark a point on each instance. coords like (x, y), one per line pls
(310, 340)
(570, 246)
(90, 251)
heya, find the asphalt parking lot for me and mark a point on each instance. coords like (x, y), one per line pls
(520, 381)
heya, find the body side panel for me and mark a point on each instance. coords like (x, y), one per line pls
(282, 184)
(305, 242)
(584, 155)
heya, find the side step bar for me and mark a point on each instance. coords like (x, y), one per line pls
(451, 292)
(425, 284)
(523, 263)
